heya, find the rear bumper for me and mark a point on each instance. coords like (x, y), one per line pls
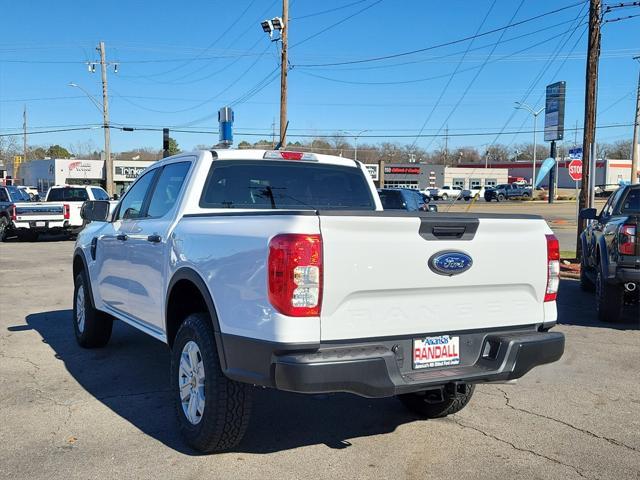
(383, 369)
(624, 275)
(41, 225)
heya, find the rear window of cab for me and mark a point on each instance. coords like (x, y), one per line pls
(294, 185)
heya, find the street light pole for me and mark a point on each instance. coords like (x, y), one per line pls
(355, 153)
(524, 106)
(635, 149)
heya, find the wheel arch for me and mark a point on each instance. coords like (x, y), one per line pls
(187, 284)
(80, 265)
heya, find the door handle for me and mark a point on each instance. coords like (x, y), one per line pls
(155, 238)
(121, 236)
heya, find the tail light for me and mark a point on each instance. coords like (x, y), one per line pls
(14, 215)
(65, 211)
(627, 240)
(553, 268)
(295, 274)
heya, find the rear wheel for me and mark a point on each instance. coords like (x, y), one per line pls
(444, 197)
(4, 228)
(500, 197)
(428, 404)
(525, 195)
(609, 299)
(92, 327)
(213, 411)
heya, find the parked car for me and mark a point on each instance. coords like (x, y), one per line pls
(474, 191)
(610, 262)
(404, 199)
(31, 191)
(255, 269)
(506, 191)
(9, 197)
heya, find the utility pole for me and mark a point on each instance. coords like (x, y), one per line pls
(590, 99)
(108, 164)
(24, 131)
(283, 72)
(446, 144)
(635, 149)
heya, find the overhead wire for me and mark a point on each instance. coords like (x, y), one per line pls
(444, 44)
(453, 74)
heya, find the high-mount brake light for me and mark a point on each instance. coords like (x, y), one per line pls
(553, 268)
(627, 240)
(295, 274)
(286, 155)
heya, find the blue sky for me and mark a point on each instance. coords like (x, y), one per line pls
(179, 62)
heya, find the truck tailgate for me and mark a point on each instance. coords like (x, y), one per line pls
(378, 281)
(40, 211)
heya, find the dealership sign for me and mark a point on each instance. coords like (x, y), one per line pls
(554, 112)
(402, 170)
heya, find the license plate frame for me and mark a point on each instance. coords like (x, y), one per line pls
(437, 351)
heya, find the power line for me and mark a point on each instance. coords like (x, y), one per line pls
(445, 44)
(433, 77)
(328, 11)
(454, 73)
(336, 24)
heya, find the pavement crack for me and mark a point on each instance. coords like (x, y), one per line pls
(515, 447)
(610, 440)
(134, 394)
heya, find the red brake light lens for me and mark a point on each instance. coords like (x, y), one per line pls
(553, 268)
(295, 274)
(627, 240)
(14, 215)
(65, 211)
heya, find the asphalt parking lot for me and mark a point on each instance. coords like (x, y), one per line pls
(72, 413)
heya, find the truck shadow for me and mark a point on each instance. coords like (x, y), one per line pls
(576, 307)
(130, 376)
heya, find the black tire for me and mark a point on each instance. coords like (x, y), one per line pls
(500, 197)
(487, 200)
(444, 197)
(28, 236)
(4, 228)
(609, 300)
(418, 404)
(585, 281)
(227, 404)
(95, 330)
(525, 195)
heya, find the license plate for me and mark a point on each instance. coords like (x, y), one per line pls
(41, 224)
(440, 351)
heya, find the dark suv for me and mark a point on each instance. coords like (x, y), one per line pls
(405, 199)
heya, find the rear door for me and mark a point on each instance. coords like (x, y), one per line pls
(378, 278)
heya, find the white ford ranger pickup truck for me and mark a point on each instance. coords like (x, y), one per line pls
(280, 269)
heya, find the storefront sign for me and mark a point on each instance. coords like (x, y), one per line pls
(402, 170)
(89, 169)
(127, 173)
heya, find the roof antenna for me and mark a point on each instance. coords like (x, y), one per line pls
(279, 145)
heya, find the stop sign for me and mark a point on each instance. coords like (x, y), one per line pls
(575, 170)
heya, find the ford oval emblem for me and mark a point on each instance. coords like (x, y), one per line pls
(450, 263)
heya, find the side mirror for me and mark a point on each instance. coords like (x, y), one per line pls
(588, 214)
(95, 210)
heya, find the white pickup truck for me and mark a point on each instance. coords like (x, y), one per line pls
(59, 213)
(280, 269)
